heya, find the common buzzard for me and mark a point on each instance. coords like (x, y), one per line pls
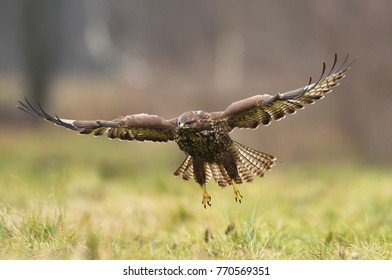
(204, 137)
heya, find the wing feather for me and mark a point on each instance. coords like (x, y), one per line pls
(139, 127)
(261, 109)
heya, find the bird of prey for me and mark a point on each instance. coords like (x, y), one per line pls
(204, 137)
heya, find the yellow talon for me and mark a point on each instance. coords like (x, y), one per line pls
(237, 194)
(206, 198)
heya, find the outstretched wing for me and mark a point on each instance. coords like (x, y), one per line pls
(250, 112)
(140, 127)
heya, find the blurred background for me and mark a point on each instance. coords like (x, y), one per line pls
(98, 59)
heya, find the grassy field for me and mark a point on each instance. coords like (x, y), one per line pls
(64, 196)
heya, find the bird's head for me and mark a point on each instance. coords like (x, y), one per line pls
(191, 120)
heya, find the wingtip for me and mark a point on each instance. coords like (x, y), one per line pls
(40, 112)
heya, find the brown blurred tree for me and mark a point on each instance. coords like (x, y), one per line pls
(41, 34)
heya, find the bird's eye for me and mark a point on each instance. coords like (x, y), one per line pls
(185, 124)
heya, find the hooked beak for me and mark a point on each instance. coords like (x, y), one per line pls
(182, 125)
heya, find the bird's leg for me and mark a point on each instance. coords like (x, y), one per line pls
(237, 194)
(206, 198)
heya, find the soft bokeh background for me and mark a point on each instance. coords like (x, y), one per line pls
(100, 59)
(68, 196)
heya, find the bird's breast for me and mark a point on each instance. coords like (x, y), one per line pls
(207, 145)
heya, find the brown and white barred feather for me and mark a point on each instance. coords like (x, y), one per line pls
(138, 127)
(249, 162)
(261, 109)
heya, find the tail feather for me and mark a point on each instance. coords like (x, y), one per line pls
(249, 162)
(186, 169)
(225, 177)
(208, 171)
(217, 174)
(255, 161)
(244, 172)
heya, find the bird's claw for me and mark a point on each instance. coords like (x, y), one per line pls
(237, 195)
(206, 199)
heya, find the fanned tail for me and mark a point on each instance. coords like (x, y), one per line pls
(248, 161)
(186, 169)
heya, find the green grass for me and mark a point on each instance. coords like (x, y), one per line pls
(64, 196)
